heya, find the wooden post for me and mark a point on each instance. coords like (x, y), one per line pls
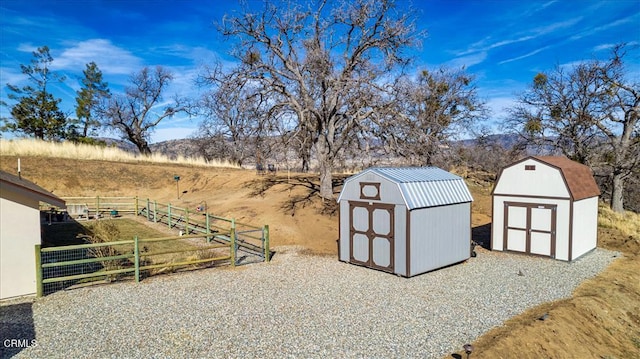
(39, 285)
(136, 205)
(97, 206)
(169, 214)
(265, 236)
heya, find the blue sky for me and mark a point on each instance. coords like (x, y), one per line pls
(504, 43)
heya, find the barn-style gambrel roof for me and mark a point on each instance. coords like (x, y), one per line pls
(578, 177)
(423, 187)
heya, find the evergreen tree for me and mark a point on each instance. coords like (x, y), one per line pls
(36, 112)
(88, 100)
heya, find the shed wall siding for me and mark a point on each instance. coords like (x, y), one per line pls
(400, 254)
(562, 224)
(544, 181)
(585, 226)
(345, 252)
(439, 236)
(19, 233)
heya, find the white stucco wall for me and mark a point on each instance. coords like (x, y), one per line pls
(19, 233)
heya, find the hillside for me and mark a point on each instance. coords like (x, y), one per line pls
(601, 320)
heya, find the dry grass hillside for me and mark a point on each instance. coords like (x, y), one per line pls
(602, 320)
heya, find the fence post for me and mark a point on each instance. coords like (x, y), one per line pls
(186, 219)
(39, 286)
(155, 211)
(233, 244)
(136, 205)
(169, 214)
(136, 253)
(265, 238)
(97, 206)
(206, 219)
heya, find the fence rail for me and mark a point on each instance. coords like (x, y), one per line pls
(125, 257)
(252, 240)
(59, 267)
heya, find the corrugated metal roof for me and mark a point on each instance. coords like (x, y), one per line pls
(426, 186)
(414, 174)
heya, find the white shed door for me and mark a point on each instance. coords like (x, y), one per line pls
(371, 235)
(530, 228)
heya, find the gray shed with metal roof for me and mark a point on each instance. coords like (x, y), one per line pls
(405, 221)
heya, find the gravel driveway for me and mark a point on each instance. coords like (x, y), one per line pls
(297, 306)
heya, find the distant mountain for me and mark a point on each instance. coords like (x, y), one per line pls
(189, 147)
(505, 140)
(173, 148)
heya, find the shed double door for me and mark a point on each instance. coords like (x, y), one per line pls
(530, 228)
(371, 235)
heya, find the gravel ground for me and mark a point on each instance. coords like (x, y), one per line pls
(297, 306)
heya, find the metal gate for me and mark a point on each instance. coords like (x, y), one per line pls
(371, 235)
(530, 228)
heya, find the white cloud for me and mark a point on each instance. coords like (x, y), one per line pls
(110, 58)
(486, 45)
(525, 55)
(28, 47)
(595, 30)
(11, 76)
(498, 106)
(468, 61)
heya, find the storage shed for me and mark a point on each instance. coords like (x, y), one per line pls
(20, 232)
(405, 221)
(546, 206)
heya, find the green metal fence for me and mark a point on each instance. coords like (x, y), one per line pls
(252, 241)
(203, 236)
(60, 267)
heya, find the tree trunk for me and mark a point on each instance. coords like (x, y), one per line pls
(326, 180)
(325, 164)
(142, 145)
(617, 191)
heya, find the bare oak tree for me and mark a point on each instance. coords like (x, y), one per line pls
(432, 109)
(134, 113)
(590, 113)
(324, 66)
(235, 119)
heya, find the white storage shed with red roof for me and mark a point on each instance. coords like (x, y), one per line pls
(546, 206)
